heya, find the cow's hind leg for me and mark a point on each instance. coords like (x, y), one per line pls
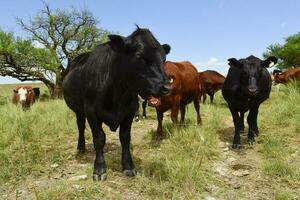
(197, 108)
(137, 113)
(99, 139)
(80, 119)
(175, 109)
(204, 98)
(182, 113)
(144, 105)
(211, 97)
(124, 135)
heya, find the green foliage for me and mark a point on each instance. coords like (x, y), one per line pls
(19, 58)
(289, 52)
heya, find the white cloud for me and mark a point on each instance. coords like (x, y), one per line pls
(37, 44)
(213, 63)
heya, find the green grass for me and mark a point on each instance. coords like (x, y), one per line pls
(285, 195)
(281, 122)
(181, 167)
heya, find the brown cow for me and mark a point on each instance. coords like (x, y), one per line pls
(211, 81)
(288, 75)
(24, 95)
(185, 89)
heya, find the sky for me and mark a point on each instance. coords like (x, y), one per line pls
(204, 32)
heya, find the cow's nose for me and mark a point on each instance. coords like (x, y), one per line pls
(252, 90)
(166, 89)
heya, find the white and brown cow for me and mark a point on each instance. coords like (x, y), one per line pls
(24, 95)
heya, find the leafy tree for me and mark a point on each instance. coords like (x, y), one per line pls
(288, 53)
(20, 59)
(56, 37)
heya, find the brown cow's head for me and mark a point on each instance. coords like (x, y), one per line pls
(154, 101)
(279, 78)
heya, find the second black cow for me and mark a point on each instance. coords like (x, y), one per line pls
(246, 86)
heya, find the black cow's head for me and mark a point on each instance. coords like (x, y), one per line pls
(142, 60)
(251, 72)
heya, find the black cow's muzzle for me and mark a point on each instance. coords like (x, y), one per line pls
(252, 91)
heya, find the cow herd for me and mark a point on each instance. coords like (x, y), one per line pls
(103, 86)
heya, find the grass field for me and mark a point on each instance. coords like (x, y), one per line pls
(38, 157)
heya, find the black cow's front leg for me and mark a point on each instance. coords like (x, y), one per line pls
(237, 128)
(252, 122)
(242, 125)
(124, 134)
(80, 119)
(99, 139)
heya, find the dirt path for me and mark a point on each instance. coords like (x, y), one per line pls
(241, 169)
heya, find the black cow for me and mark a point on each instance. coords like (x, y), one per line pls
(246, 86)
(37, 92)
(103, 86)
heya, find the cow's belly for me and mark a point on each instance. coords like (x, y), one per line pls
(114, 117)
(188, 98)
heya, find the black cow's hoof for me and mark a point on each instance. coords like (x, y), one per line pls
(137, 119)
(99, 177)
(251, 141)
(257, 133)
(236, 146)
(130, 172)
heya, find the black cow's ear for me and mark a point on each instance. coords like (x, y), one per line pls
(234, 62)
(15, 91)
(166, 48)
(269, 62)
(117, 42)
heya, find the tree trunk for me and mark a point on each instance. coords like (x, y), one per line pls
(56, 91)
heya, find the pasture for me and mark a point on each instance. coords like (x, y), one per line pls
(38, 157)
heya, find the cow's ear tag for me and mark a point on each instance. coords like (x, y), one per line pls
(171, 80)
(271, 64)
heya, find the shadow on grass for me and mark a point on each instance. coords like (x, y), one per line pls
(112, 154)
(226, 135)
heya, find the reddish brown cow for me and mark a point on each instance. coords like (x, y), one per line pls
(23, 95)
(290, 74)
(185, 89)
(211, 81)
